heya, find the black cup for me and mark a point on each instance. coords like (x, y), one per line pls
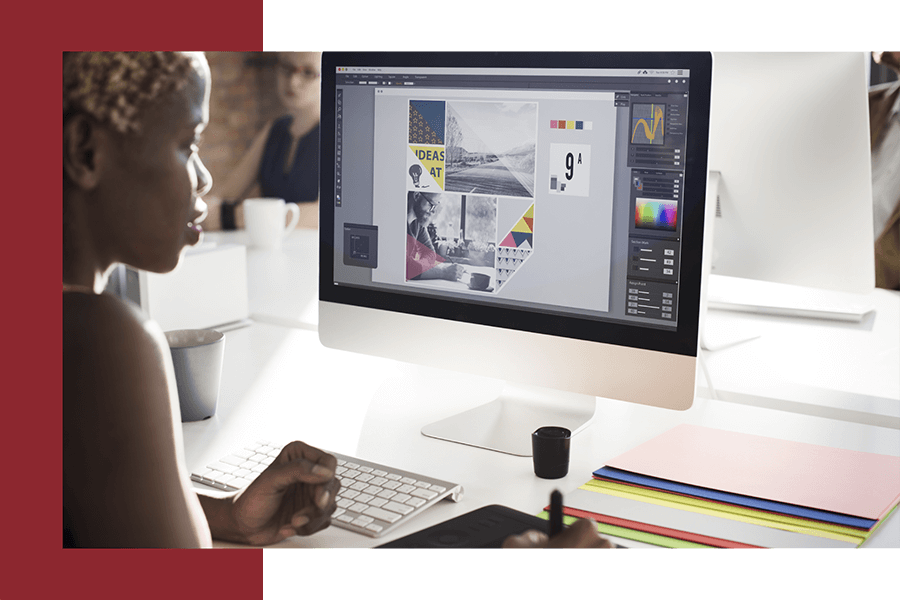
(550, 450)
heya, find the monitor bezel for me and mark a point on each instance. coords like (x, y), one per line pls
(682, 340)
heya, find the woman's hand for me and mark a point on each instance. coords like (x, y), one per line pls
(581, 534)
(295, 495)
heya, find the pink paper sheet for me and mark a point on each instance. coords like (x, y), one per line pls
(844, 481)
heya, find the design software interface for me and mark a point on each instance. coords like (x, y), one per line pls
(553, 190)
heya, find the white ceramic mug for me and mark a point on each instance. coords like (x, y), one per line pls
(265, 220)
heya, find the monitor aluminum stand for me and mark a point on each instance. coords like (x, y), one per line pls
(506, 423)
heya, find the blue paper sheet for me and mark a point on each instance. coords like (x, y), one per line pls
(736, 499)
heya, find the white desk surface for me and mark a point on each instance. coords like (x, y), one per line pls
(280, 384)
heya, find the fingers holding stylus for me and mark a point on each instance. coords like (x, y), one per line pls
(581, 534)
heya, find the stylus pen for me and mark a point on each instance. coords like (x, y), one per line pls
(556, 512)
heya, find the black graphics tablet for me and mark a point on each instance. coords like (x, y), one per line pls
(485, 527)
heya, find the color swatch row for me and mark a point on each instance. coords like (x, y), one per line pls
(571, 125)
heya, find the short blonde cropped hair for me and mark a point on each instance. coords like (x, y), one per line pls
(116, 87)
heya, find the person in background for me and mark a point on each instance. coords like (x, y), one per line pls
(132, 188)
(283, 159)
(884, 120)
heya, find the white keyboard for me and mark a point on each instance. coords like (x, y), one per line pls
(373, 499)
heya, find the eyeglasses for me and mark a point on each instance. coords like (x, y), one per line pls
(289, 70)
(432, 206)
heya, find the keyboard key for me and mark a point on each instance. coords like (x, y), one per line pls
(427, 494)
(416, 502)
(403, 509)
(213, 475)
(407, 480)
(383, 515)
(223, 467)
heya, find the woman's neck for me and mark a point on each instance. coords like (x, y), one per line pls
(81, 269)
(84, 264)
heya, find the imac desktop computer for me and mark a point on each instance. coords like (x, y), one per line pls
(789, 160)
(536, 218)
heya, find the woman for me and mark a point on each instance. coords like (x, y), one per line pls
(283, 159)
(132, 187)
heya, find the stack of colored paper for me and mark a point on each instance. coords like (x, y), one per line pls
(699, 487)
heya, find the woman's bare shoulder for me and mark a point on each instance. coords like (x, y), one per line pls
(95, 314)
(113, 359)
(122, 480)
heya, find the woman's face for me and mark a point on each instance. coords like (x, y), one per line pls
(151, 206)
(298, 81)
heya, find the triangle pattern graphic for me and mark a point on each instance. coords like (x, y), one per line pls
(522, 226)
(521, 238)
(515, 248)
(523, 230)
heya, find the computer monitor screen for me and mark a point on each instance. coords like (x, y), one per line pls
(533, 217)
(789, 138)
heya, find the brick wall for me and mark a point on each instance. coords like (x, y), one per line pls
(242, 100)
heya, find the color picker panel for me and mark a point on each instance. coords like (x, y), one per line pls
(655, 214)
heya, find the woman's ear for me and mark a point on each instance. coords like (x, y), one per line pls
(81, 158)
